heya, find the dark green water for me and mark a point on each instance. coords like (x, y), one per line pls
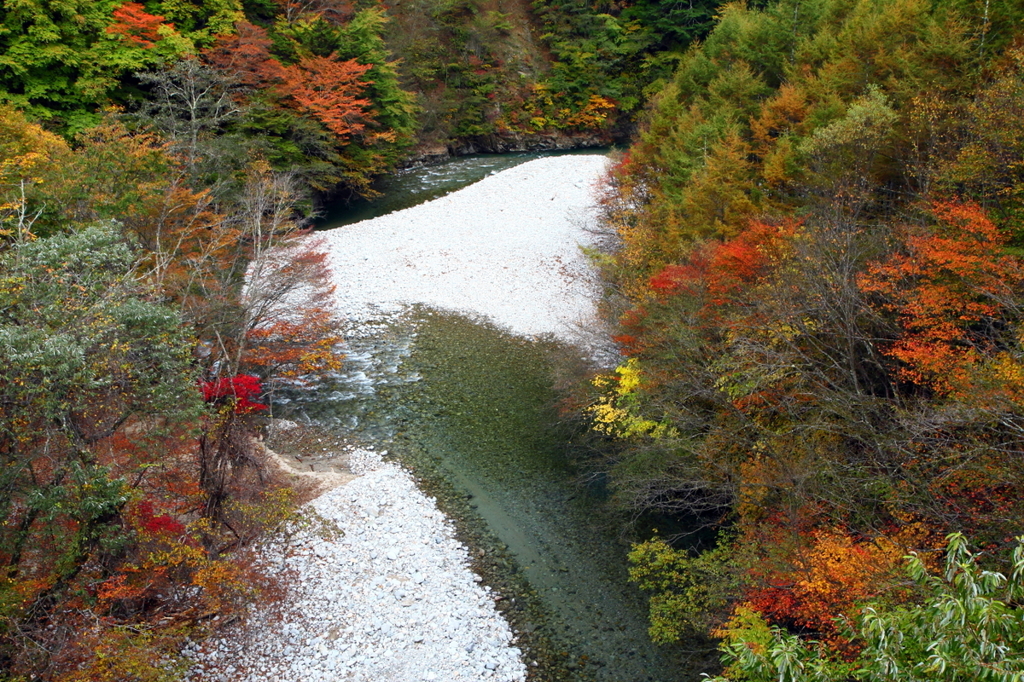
(470, 410)
(483, 416)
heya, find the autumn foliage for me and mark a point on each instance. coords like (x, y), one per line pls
(328, 89)
(821, 311)
(729, 267)
(951, 288)
(133, 488)
(238, 391)
(133, 23)
(245, 56)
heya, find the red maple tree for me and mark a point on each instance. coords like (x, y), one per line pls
(136, 25)
(949, 286)
(238, 390)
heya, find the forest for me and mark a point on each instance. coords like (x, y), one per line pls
(818, 294)
(819, 214)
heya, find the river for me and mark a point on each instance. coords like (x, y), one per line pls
(470, 409)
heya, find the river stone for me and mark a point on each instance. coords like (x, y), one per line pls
(459, 620)
(506, 220)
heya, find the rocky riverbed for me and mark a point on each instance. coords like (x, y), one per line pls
(390, 595)
(506, 249)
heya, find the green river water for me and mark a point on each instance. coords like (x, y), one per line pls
(471, 411)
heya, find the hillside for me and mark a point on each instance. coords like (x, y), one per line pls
(818, 293)
(404, 80)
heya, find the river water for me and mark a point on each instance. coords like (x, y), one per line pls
(472, 412)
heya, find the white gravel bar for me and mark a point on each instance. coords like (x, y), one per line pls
(393, 599)
(506, 248)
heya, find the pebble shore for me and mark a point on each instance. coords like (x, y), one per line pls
(392, 597)
(389, 598)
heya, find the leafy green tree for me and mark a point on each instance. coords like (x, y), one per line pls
(362, 39)
(84, 356)
(673, 24)
(969, 625)
(200, 20)
(689, 591)
(61, 60)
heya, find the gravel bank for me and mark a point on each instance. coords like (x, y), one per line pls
(389, 599)
(393, 599)
(506, 248)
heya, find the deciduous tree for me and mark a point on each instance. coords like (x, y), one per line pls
(952, 288)
(85, 357)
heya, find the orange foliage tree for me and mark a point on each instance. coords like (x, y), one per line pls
(329, 89)
(830, 574)
(952, 287)
(245, 57)
(326, 88)
(134, 24)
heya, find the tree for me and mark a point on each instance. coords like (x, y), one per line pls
(980, 143)
(190, 104)
(292, 322)
(312, 114)
(314, 45)
(967, 626)
(690, 593)
(134, 24)
(393, 109)
(85, 358)
(243, 57)
(65, 59)
(327, 89)
(267, 309)
(29, 154)
(952, 288)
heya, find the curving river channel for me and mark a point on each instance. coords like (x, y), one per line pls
(472, 412)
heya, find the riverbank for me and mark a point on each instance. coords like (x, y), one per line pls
(378, 589)
(394, 597)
